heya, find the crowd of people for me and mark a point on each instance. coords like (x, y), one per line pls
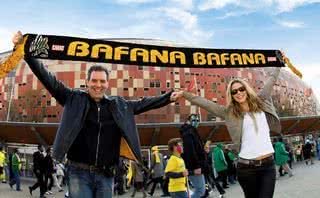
(216, 161)
(47, 172)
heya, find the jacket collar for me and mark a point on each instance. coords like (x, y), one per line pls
(105, 96)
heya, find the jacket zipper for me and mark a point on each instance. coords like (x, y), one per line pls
(98, 139)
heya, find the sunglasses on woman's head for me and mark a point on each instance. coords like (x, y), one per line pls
(235, 91)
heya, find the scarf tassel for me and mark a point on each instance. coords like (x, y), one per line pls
(13, 60)
(293, 68)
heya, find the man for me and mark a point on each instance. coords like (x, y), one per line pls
(49, 171)
(38, 170)
(95, 129)
(16, 166)
(194, 154)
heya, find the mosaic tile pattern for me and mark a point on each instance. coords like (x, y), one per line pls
(31, 102)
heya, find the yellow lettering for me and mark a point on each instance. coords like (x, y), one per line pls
(247, 58)
(118, 51)
(260, 57)
(155, 54)
(177, 55)
(199, 58)
(213, 57)
(99, 48)
(224, 58)
(235, 57)
(139, 52)
(78, 48)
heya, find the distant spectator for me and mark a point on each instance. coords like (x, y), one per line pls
(307, 152)
(231, 158)
(176, 170)
(299, 153)
(318, 148)
(194, 155)
(49, 171)
(2, 164)
(16, 167)
(221, 165)
(282, 156)
(289, 150)
(209, 174)
(38, 170)
(138, 178)
(157, 169)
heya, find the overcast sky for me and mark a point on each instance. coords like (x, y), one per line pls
(290, 25)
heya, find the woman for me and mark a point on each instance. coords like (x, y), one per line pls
(250, 117)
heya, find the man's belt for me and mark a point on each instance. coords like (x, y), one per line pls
(256, 162)
(107, 171)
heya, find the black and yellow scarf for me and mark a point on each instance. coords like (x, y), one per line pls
(93, 50)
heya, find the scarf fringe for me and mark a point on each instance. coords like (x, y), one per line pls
(293, 68)
(13, 60)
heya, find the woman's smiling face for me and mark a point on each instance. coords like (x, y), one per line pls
(238, 92)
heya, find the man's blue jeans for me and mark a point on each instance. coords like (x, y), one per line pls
(15, 180)
(198, 183)
(86, 184)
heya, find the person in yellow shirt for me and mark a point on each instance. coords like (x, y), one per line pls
(2, 165)
(176, 170)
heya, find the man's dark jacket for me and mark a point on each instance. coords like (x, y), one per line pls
(38, 162)
(76, 105)
(193, 148)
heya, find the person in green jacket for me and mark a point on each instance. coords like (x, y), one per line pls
(16, 166)
(282, 156)
(220, 164)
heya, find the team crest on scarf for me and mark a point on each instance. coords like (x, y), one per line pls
(39, 46)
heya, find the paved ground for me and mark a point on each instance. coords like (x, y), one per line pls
(304, 184)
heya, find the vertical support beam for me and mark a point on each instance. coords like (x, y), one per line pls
(41, 140)
(214, 129)
(293, 125)
(155, 136)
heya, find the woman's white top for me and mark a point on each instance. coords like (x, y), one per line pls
(255, 141)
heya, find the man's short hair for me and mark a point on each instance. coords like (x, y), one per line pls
(173, 142)
(97, 68)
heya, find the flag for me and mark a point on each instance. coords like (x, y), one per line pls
(191, 85)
